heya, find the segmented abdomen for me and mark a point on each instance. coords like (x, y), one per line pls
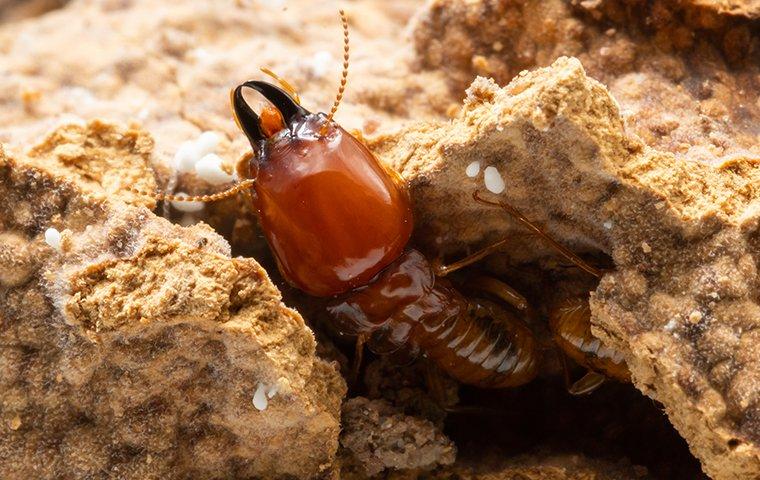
(570, 322)
(407, 311)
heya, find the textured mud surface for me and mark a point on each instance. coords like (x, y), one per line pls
(685, 77)
(376, 437)
(682, 302)
(136, 350)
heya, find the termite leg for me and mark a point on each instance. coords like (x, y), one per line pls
(434, 384)
(562, 250)
(501, 290)
(487, 284)
(587, 384)
(361, 339)
(443, 270)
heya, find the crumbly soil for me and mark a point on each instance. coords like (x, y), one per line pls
(135, 351)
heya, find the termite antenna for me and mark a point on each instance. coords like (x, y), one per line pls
(165, 197)
(344, 75)
(517, 215)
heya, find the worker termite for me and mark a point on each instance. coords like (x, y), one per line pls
(338, 223)
(570, 323)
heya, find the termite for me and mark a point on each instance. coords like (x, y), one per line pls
(570, 323)
(338, 222)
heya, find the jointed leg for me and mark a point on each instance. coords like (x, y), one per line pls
(361, 339)
(443, 270)
(564, 251)
(501, 290)
(587, 384)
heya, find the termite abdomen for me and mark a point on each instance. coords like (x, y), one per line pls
(407, 309)
(484, 346)
(570, 322)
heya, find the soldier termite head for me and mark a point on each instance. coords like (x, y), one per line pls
(332, 214)
(283, 111)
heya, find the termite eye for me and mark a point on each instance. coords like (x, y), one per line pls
(257, 128)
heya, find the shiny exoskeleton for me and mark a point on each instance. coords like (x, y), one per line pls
(338, 223)
(408, 308)
(570, 323)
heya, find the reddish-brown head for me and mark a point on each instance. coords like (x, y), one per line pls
(332, 214)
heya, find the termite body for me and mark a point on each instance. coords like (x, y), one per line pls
(570, 323)
(339, 222)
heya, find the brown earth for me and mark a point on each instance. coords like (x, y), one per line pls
(658, 171)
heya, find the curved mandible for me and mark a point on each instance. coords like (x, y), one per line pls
(249, 121)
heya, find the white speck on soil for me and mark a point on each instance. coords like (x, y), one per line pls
(53, 238)
(671, 325)
(209, 168)
(493, 180)
(473, 169)
(273, 390)
(260, 397)
(262, 394)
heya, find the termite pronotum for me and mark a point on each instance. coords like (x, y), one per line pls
(338, 223)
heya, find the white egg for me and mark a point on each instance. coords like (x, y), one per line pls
(260, 397)
(207, 143)
(209, 168)
(473, 169)
(273, 390)
(186, 157)
(493, 180)
(53, 238)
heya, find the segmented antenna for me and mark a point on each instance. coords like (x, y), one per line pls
(344, 76)
(160, 196)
